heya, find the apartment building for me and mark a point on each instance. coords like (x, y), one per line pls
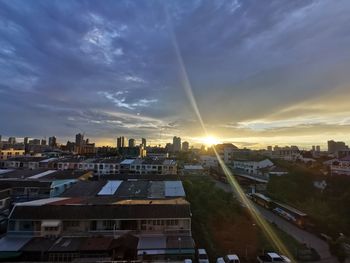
(288, 153)
(154, 213)
(151, 166)
(24, 162)
(9, 153)
(226, 151)
(340, 166)
(251, 167)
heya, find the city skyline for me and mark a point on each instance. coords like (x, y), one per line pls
(110, 71)
(204, 141)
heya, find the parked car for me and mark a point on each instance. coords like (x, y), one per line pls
(202, 256)
(188, 261)
(273, 257)
(233, 258)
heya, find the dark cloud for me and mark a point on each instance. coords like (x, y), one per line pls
(110, 68)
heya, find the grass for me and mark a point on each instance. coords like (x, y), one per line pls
(222, 226)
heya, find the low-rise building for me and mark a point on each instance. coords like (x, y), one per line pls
(226, 151)
(288, 153)
(194, 169)
(150, 166)
(25, 162)
(36, 184)
(251, 167)
(209, 161)
(155, 213)
(340, 166)
(9, 153)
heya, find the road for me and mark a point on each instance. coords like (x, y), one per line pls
(299, 234)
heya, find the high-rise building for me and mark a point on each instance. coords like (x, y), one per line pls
(35, 142)
(185, 146)
(143, 142)
(79, 139)
(26, 140)
(131, 143)
(318, 148)
(43, 141)
(12, 140)
(52, 141)
(0, 137)
(121, 142)
(169, 147)
(334, 147)
(176, 144)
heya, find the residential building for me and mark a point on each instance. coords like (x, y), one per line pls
(144, 143)
(12, 140)
(9, 153)
(150, 166)
(156, 213)
(34, 142)
(27, 185)
(209, 161)
(79, 139)
(334, 147)
(131, 143)
(121, 142)
(251, 167)
(24, 162)
(340, 166)
(185, 146)
(176, 144)
(157, 153)
(226, 151)
(288, 153)
(132, 152)
(52, 142)
(194, 169)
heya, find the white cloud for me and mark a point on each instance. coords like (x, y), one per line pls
(131, 78)
(119, 100)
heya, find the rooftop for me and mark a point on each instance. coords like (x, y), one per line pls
(112, 190)
(55, 210)
(27, 159)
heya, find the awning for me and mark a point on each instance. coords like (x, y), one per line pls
(50, 223)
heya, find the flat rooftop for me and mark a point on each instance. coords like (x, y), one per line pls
(125, 189)
(75, 209)
(41, 174)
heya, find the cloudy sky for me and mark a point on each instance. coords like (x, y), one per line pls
(260, 72)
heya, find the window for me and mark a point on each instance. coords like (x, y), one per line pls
(108, 224)
(72, 223)
(51, 228)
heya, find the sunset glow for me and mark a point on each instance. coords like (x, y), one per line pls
(209, 140)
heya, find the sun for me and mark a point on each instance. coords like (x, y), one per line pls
(210, 140)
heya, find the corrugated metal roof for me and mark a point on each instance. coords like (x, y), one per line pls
(42, 174)
(41, 202)
(128, 161)
(10, 244)
(110, 188)
(174, 188)
(3, 171)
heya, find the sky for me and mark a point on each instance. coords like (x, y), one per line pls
(259, 72)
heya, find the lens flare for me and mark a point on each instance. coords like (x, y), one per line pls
(209, 140)
(264, 226)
